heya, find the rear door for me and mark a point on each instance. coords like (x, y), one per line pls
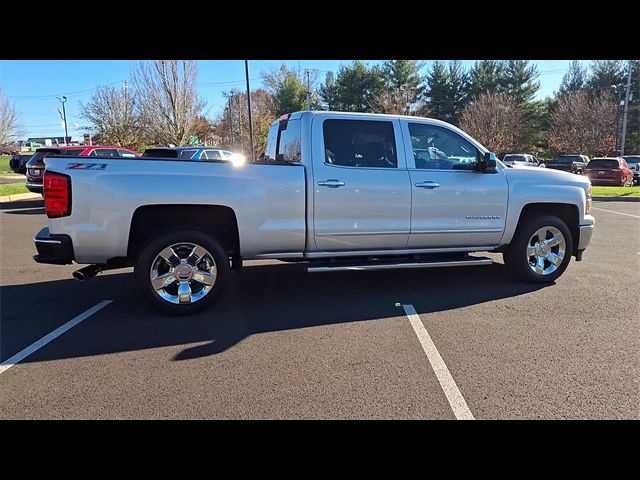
(362, 193)
(453, 204)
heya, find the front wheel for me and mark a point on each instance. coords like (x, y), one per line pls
(540, 250)
(182, 272)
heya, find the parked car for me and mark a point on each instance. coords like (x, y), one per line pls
(610, 171)
(35, 166)
(569, 163)
(633, 161)
(192, 153)
(520, 160)
(18, 162)
(337, 190)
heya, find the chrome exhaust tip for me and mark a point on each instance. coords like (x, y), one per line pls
(85, 273)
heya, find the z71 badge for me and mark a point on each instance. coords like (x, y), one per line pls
(86, 166)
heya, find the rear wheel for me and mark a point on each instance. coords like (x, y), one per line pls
(540, 250)
(182, 272)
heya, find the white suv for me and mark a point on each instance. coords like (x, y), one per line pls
(520, 160)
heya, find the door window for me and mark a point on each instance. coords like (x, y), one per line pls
(437, 148)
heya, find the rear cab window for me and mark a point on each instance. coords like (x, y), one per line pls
(283, 143)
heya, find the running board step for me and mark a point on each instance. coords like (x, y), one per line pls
(462, 262)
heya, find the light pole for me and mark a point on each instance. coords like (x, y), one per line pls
(63, 100)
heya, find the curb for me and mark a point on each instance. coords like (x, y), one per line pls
(19, 196)
(616, 199)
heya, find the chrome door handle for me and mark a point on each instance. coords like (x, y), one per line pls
(430, 185)
(331, 183)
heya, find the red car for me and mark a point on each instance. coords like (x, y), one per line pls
(610, 171)
(35, 165)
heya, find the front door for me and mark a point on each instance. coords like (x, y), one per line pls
(454, 205)
(362, 191)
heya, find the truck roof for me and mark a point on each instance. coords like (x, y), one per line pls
(300, 114)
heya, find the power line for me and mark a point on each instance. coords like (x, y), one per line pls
(87, 90)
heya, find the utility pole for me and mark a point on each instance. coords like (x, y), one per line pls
(306, 71)
(63, 100)
(246, 72)
(231, 120)
(239, 122)
(626, 111)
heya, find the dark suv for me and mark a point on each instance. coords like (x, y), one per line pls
(573, 163)
(18, 162)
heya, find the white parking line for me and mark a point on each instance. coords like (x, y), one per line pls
(619, 213)
(448, 384)
(21, 355)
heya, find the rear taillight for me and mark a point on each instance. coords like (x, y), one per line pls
(57, 194)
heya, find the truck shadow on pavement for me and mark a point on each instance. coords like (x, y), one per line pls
(260, 299)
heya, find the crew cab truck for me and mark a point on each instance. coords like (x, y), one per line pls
(337, 191)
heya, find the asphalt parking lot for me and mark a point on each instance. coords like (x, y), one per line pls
(286, 344)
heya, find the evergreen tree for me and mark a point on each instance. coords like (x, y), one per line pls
(575, 79)
(606, 75)
(356, 87)
(484, 77)
(445, 91)
(519, 80)
(329, 92)
(402, 87)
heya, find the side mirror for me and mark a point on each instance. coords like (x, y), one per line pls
(488, 164)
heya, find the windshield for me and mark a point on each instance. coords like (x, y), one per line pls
(603, 163)
(514, 158)
(74, 152)
(570, 159)
(632, 160)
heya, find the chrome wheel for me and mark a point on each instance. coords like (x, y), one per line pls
(183, 273)
(546, 250)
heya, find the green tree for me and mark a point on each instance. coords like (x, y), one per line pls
(575, 79)
(519, 81)
(606, 75)
(287, 88)
(445, 93)
(356, 86)
(329, 92)
(402, 87)
(484, 77)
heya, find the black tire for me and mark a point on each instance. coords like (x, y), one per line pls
(151, 250)
(515, 256)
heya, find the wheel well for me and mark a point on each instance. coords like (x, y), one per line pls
(150, 220)
(566, 212)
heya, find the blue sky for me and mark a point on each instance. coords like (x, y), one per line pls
(34, 84)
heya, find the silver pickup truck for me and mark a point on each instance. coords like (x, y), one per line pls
(337, 191)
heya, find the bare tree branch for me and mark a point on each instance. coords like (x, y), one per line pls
(167, 99)
(584, 123)
(111, 112)
(496, 121)
(9, 125)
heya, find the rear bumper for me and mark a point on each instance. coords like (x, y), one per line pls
(606, 181)
(34, 187)
(53, 249)
(586, 232)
